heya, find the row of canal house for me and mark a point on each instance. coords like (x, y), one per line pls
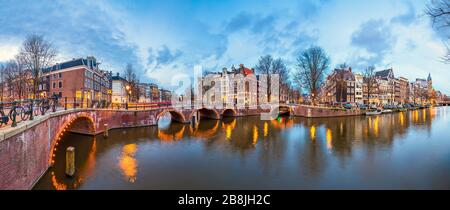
(243, 86)
(79, 80)
(148, 92)
(346, 86)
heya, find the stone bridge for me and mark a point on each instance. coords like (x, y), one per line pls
(26, 151)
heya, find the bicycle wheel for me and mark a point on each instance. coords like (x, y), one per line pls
(24, 113)
(12, 112)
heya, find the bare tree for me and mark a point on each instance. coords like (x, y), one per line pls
(311, 66)
(439, 12)
(16, 79)
(371, 81)
(133, 82)
(340, 80)
(36, 53)
(269, 66)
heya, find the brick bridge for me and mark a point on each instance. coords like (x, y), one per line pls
(26, 151)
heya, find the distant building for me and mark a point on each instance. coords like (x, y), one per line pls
(166, 95)
(149, 92)
(119, 89)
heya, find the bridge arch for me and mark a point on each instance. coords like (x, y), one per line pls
(80, 123)
(206, 113)
(229, 113)
(174, 114)
(282, 110)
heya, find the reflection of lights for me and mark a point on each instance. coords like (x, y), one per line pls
(424, 115)
(170, 137)
(128, 163)
(56, 184)
(281, 123)
(312, 131)
(206, 133)
(329, 139)
(266, 129)
(416, 116)
(229, 127)
(402, 119)
(375, 125)
(255, 135)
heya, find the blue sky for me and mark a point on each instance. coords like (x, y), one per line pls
(162, 38)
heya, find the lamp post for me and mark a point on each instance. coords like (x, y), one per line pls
(127, 91)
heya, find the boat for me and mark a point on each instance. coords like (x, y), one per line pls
(376, 112)
(386, 111)
(403, 110)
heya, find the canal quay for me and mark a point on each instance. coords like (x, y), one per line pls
(400, 150)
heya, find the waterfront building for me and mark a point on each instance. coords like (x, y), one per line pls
(359, 82)
(386, 86)
(340, 87)
(421, 90)
(238, 86)
(370, 95)
(79, 78)
(401, 90)
(120, 88)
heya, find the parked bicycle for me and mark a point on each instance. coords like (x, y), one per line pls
(3, 118)
(25, 112)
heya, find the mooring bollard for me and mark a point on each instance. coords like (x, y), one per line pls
(105, 134)
(70, 161)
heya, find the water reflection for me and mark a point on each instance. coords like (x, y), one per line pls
(247, 153)
(128, 163)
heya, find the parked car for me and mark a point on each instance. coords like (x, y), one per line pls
(362, 107)
(348, 106)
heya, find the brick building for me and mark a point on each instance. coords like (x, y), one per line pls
(79, 78)
(339, 87)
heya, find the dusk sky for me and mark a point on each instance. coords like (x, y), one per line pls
(162, 38)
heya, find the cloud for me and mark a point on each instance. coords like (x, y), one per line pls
(166, 56)
(239, 22)
(376, 37)
(76, 29)
(408, 17)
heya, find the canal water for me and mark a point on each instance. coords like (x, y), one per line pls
(406, 150)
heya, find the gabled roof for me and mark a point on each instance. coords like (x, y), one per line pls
(387, 73)
(72, 63)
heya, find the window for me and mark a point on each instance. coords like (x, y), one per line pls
(60, 75)
(60, 94)
(60, 84)
(54, 85)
